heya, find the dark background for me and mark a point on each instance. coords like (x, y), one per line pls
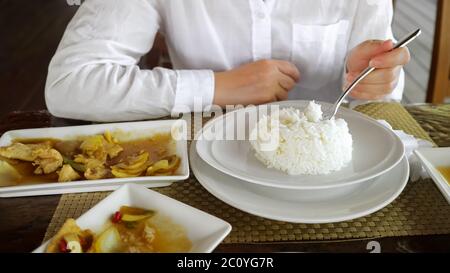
(30, 32)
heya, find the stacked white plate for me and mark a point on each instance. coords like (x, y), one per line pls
(224, 163)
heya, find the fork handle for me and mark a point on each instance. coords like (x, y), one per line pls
(360, 77)
(369, 69)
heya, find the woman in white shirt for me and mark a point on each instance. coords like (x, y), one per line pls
(223, 52)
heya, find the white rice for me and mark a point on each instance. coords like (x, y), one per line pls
(301, 142)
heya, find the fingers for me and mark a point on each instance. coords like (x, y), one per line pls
(285, 84)
(399, 56)
(372, 48)
(288, 69)
(282, 94)
(378, 76)
(376, 85)
(375, 89)
(288, 77)
(380, 52)
(388, 64)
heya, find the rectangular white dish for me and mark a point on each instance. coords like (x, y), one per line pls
(431, 159)
(131, 130)
(203, 230)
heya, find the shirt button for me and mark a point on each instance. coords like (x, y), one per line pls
(261, 15)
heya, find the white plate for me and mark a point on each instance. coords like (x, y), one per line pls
(431, 159)
(376, 150)
(310, 206)
(128, 131)
(204, 230)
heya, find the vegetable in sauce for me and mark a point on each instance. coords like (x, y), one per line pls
(29, 161)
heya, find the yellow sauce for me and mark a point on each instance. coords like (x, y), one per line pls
(169, 237)
(158, 146)
(445, 171)
(153, 232)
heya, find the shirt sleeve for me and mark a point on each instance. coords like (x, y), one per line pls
(373, 21)
(94, 74)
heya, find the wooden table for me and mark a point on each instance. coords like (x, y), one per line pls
(23, 221)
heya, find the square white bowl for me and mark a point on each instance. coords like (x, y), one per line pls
(129, 131)
(204, 230)
(431, 159)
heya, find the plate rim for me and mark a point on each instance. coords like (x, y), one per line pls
(224, 231)
(225, 199)
(423, 154)
(89, 184)
(229, 172)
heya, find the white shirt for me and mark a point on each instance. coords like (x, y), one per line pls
(94, 73)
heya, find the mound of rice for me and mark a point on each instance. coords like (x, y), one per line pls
(301, 142)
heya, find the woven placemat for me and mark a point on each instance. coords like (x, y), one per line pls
(419, 210)
(435, 120)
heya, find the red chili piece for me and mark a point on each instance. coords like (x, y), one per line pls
(117, 217)
(63, 246)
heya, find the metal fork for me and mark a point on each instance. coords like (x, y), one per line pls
(331, 112)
